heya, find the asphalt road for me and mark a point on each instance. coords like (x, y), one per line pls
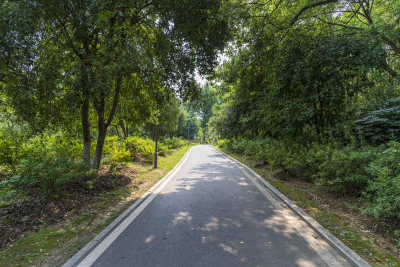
(212, 214)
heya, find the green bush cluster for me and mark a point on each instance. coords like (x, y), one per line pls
(48, 172)
(115, 151)
(222, 143)
(142, 148)
(382, 194)
(60, 143)
(174, 143)
(46, 163)
(373, 173)
(9, 154)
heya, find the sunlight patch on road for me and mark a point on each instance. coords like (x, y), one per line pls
(182, 216)
(228, 249)
(149, 239)
(212, 225)
(305, 263)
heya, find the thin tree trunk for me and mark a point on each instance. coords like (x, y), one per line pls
(124, 129)
(86, 133)
(116, 128)
(99, 148)
(102, 125)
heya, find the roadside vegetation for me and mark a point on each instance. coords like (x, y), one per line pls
(309, 89)
(311, 92)
(341, 214)
(87, 88)
(52, 240)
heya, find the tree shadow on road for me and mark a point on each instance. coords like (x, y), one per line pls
(211, 215)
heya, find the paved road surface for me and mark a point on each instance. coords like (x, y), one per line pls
(213, 214)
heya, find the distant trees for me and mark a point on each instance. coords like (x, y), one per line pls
(169, 117)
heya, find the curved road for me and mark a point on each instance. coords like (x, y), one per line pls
(210, 213)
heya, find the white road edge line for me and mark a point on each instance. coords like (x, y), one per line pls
(290, 217)
(338, 245)
(107, 241)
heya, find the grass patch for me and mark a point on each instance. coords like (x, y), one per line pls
(111, 197)
(27, 250)
(338, 225)
(54, 245)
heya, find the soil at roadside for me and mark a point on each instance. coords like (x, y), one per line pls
(19, 219)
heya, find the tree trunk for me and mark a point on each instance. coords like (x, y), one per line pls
(86, 133)
(99, 148)
(124, 129)
(116, 128)
(102, 124)
(100, 108)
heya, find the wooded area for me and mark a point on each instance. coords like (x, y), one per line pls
(309, 86)
(312, 88)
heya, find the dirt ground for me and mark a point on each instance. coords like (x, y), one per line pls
(18, 219)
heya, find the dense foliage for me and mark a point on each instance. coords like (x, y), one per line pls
(70, 64)
(312, 88)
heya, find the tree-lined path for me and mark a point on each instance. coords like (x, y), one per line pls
(211, 214)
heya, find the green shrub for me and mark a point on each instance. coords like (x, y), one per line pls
(47, 171)
(115, 150)
(44, 163)
(345, 169)
(9, 155)
(140, 147)
(7, 191)
(59, 143)
(174, 143)
(370, 172)
(301, 161)
(252, 146)
(340, 169)
(382, 195)
(11, 149)
(222, 143)
(162, 149)
(239, 145)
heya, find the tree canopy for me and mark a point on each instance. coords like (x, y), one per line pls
(69, 57)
